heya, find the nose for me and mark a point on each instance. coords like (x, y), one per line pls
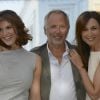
(4, 32)
(89, 32)
(58, 29)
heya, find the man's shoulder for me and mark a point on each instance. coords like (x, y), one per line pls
(39, 48)
(70, 45)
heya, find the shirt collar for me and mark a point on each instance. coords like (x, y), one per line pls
(64, 54)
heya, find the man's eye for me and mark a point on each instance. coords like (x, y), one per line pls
(53, 26)
(0, 30)
(85, 29)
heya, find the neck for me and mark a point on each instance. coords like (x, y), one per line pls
(6, 49)
(96, 48)
(57, 51)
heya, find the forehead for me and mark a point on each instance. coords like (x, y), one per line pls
(4, 23)
(53, 15)
(56, 17)
(92, 22)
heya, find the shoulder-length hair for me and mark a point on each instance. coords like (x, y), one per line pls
(81, 23)
(17, 23)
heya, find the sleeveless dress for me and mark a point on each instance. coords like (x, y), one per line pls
(94, 60)
(16, 74)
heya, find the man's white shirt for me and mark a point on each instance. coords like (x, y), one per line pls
(62, 83)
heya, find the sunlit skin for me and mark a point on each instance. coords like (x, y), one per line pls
(91, 34)
(56, 30)
(8, 34)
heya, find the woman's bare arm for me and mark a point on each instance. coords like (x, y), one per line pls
(92, 88)
(35, 90)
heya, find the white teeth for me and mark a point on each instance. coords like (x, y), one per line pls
(6, 38)
(90, 39)
(57, 37)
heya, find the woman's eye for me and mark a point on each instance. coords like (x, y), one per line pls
(94, 28)
(9, 27)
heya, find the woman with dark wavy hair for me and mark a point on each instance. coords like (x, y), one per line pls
(19, 69)
(88, 40)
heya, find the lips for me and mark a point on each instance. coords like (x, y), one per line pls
(58, 37)
(91, 38)
(8, 37)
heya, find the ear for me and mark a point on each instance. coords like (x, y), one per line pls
(45, 30)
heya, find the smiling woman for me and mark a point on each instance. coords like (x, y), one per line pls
(12, 29)
(7, 34)
(88, 39)
(27, 13)
(15, 5)
(19, 69)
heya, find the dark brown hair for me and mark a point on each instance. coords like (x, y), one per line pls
(15, 20)
(81, 22)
